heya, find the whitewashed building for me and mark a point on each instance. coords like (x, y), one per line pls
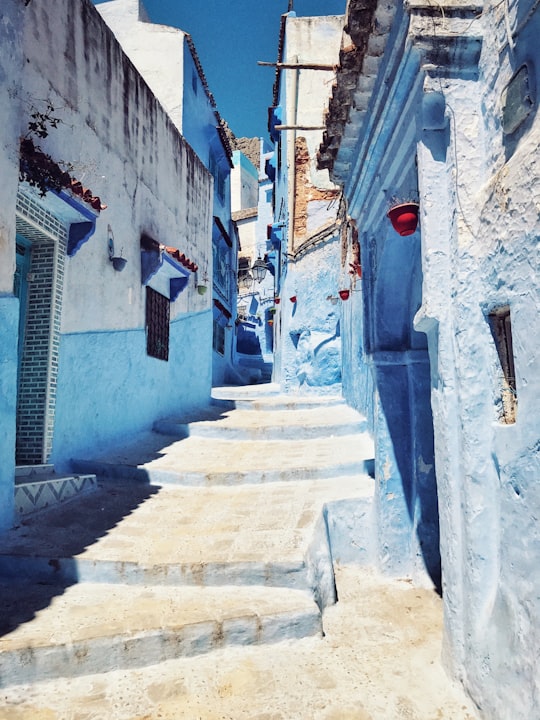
(103, 329)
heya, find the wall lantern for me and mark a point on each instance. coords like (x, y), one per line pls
(344, 294)
(118, 262)
(259, 270)
(293, 298)
(245, 280)
(404, 218)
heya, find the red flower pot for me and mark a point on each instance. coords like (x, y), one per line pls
(293, 298)
(277, 300)
(270, 322)
(344, 294)
(404, 218)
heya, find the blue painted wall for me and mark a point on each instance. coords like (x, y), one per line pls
(199, 123)
(103, 372)
(439, 397)
(9, 322)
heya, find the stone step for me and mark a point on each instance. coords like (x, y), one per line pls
(270, 397)
(195, 461)
(250, 535)
(88, 628)
(295, 424)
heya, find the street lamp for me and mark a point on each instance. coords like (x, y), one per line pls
(259, 270)
(245, 280)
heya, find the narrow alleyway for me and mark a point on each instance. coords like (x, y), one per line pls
(190, 585)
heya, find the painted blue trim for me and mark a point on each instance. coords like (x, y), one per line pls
(79, 232)
(152, 261)
(77, 205)
(177, 285)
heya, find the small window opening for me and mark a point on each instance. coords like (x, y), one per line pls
(157, 324)
(218, 340)
(501, 329)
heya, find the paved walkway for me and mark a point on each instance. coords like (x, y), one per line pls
(201, 596)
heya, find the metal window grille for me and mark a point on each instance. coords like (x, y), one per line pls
(157, 324)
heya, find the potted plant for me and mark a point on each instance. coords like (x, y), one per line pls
(293, 298)
(277, 300)
(344, 294)
(270, 322)
(403, 214)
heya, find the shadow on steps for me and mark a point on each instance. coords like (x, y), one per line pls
(37, 557)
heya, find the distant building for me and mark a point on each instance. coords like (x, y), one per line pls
(92, 352)
(307, 211)
(167, 59)
(437, 106)
(251, 202)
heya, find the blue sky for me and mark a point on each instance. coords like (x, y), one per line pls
(231, 36)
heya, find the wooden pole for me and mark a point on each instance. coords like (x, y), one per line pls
(298, 66)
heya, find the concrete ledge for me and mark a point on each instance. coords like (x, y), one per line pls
(37, 494)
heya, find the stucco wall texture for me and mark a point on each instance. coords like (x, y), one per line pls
(478, 175)
(10, 109)
(121, 144)
(308, 352)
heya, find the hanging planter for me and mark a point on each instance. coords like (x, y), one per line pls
(404, 218)
(344, 294)
(293, 298)
(201, 289)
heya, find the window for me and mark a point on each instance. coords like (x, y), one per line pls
(219, 177)
(157, 324)
(501, 329)
(517, 101)
(218, 340)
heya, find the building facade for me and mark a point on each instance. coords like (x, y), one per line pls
(437, 107)
(106, 218)
(167, 59)
(251, 200)
(306, 228)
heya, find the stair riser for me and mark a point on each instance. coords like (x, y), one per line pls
(299, 404)
(286, 432)
(103, 654)
(68, 571)
(199, 479)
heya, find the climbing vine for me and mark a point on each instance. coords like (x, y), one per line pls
(36, 167)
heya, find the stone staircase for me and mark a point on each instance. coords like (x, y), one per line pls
(217, 529)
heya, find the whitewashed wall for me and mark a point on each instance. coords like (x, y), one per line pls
(11, 61)
(123, 146)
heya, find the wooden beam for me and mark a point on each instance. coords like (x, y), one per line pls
(298, 66)
(300, 127)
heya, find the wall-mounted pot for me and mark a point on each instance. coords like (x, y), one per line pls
(404, 218)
